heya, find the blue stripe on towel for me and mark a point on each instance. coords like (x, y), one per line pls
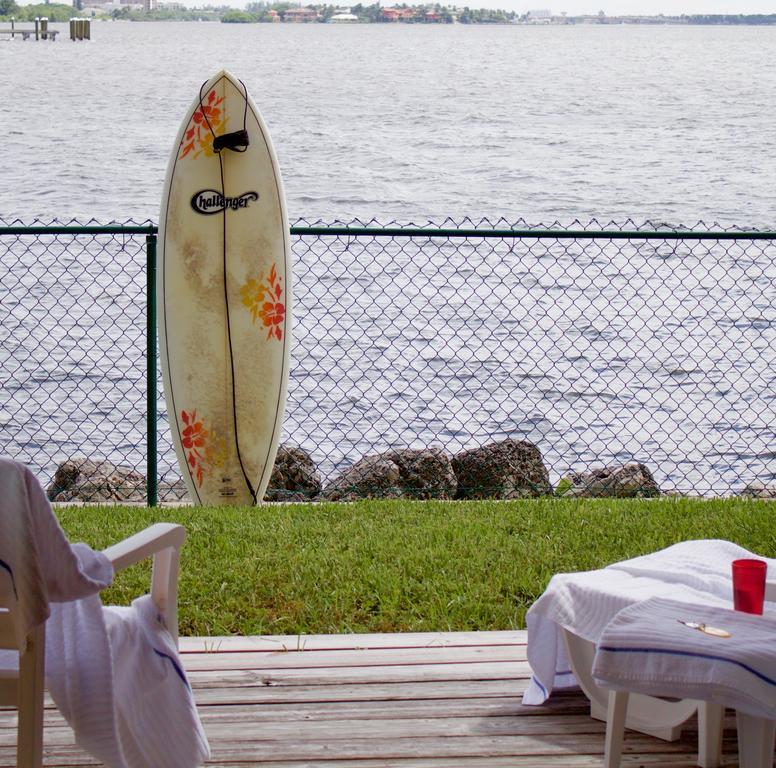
(7, 567)
(172, 661)
(673, 652)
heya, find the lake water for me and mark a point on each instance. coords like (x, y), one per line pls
(415, 123)
(410, 122)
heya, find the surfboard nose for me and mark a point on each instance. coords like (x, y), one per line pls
(225, 74)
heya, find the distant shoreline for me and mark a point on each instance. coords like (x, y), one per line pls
(281, 13)
(508, 18)
(570, 22)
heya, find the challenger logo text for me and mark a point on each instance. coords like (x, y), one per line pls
(211, 201)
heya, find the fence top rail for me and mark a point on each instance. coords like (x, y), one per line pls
(417, 232)
(80, 229)
(536, 234)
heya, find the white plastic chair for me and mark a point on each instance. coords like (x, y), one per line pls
(24, 690)
(646, 714)
(755, 734)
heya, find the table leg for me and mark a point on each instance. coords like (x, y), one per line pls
(615, 728)
(755, 741)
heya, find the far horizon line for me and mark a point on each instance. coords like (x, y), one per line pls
(536, 13)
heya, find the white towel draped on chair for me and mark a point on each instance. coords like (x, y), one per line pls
(696, 572)
(114, 673)
(157, 720)
(43, 565)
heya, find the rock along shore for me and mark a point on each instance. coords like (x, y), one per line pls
(509, 469)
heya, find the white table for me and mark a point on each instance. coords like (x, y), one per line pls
(567, 620)
(644, 650)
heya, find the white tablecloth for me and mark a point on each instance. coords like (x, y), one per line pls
(645, 649)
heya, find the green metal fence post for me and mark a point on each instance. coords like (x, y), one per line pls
(151, 467)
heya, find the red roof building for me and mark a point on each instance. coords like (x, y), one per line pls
(397, 14)
(299, 15)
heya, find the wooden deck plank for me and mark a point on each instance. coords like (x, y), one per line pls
(436, 747)
(331, 731)
(374, 691)
(348, 710)
(231, 644)
(344, 675)
(262, 751)
(388, 710)
(539, 761)
(76, 759)
(427, 700)
(352, 658)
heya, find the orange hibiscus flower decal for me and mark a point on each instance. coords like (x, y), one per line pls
(206, 122)
(264, 299)
(200, 446)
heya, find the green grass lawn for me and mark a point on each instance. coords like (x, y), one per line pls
(395, 566)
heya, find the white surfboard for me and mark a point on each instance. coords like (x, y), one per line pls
(224, 296)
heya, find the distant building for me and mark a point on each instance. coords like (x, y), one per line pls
(343, 16)
(538, 17)
(300, 15)
(397, 14)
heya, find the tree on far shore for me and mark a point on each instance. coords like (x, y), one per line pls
(52, 11)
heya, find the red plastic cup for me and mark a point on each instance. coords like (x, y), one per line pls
(749, 585)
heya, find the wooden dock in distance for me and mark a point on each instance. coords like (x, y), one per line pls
(80, 29)
(430, 700)
(27, 33)
(40, 31)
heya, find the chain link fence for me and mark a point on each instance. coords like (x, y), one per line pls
(73, 344)
(600, 344)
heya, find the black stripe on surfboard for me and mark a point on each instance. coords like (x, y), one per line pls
(251, 490)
